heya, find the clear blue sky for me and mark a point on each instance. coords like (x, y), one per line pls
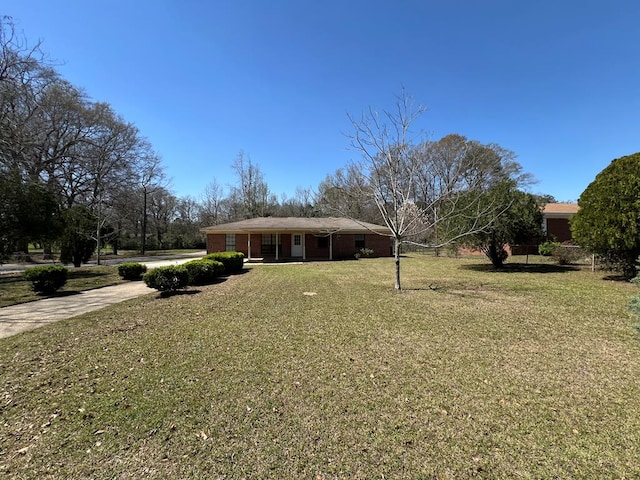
(556, 81)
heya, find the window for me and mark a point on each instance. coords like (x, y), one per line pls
(230, 242)
(323, 242)
(297, 239)
(269, 244)
(359, 240)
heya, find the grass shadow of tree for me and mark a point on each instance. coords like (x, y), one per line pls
(522, 268)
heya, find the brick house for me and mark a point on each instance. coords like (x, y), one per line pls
(556, 220)
(286, 238)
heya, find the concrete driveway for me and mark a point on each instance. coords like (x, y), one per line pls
(31, 315)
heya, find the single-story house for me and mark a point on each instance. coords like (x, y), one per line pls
(284, 238)
(556, 220)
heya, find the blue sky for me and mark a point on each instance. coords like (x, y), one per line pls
(555, 81)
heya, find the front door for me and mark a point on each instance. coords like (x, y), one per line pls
(296, 245)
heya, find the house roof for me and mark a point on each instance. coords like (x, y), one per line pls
(560, 209)
(297, 224)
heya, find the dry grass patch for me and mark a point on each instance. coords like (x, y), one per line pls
(467, 374)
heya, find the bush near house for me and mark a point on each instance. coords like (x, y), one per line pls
(364, 253)
(546, 248)
(566, 254)
(233, 261)
(47, 279)
(132, 270)
(204, 271)
(167, 279)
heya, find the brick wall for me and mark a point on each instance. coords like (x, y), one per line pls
(344, 245)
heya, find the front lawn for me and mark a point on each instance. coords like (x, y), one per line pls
(321, 371)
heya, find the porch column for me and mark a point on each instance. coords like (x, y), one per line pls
(249, 246)
(304, 246)
(277, 236)
(331, 246)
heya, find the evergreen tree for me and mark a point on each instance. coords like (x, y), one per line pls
(608, 222)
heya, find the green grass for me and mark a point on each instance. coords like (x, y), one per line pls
(321, 371)
(15, 289)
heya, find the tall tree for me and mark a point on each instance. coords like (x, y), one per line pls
(76, 245)
(211, 205)
(61, 147)
(150, 178)
(346, 193)
(251, 192)
(300, 205)
(416, 187)
(162, 213)
(608, 222)
(517, 219)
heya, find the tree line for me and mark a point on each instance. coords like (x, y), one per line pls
(76, 176)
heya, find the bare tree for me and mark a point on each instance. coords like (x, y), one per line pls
(211, 204)
(252, 191)
(418, 186)
(150, 178)
(347, 193)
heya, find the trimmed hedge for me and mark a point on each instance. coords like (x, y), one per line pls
(167, 279)
(204, 271)
(233, 261)
(132, 270)
(46, 279)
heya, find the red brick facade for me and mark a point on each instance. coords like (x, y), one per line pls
(316, 247)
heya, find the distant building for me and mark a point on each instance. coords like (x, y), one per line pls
(556, 222)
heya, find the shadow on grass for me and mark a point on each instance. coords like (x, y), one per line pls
(65, 293)
(521, 267)
(177, 293)
(616, 277)
(11, 278)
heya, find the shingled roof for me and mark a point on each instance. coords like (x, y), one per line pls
(551, 209)
(297, 224)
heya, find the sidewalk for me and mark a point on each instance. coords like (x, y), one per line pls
(31, 315)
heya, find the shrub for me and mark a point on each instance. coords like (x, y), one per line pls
(131, 270)
(46, 279)
(566, 254)
(167, 279)
(233, 261)
(546, 248)
(204, 271)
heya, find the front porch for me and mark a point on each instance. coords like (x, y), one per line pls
(273, 239)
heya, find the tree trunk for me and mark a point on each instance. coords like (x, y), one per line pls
(98, 243)
(144, 224)
(396, 252)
